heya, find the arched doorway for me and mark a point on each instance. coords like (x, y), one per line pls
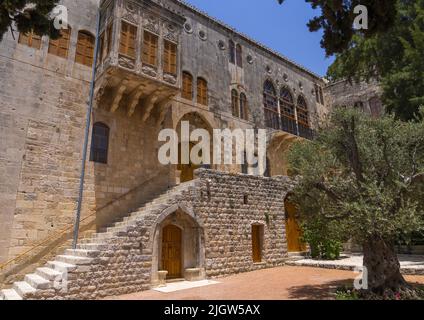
(185, 171)
(171, 251)
(178, 245)
(293, 230)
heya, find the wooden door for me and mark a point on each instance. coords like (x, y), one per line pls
(187, 170)
(256, 244)
(171, 251)
(293, 231)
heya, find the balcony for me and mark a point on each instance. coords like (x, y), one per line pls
(276, 121)
(139, 56)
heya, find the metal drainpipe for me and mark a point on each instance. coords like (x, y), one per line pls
(86, 136)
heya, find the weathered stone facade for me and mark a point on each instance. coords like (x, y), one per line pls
(43, 102)
(364, 96)
(216, 219)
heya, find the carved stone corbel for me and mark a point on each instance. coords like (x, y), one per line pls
(134, 99)
(149, 104)
(117, 95)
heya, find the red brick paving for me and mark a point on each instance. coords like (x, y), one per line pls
(271, 284)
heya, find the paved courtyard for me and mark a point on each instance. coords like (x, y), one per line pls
(410, 264)
(288, 282)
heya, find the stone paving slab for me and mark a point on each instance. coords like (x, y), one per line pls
(410, 264)
(184, 285)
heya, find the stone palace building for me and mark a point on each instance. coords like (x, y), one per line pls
(160, 62)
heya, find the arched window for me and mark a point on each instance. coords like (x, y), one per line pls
(271, 106)
(202, 91)
(239, 56)
(99, 143)
(288, 117)
(187, 86)
(85, 48)
(243, 107)
(302, 112)
(232, 49)
(235, 103)
(60, 46)
(287, 104)
(30, 39)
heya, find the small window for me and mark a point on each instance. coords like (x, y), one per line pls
(99, 143)
(245, 165)
(170, 57)
(202, 91)
(127, 42)
(235, 103)
(257, 236)
(150, 49)
(232, 48)
(30, 39)
(85, 48)
(239, 56)
(187, 86)
(60, 46)
(243, 107)
(302, 112)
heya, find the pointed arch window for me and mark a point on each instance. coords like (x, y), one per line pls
(271, 106)
(235, 103)
(302, 112)
(232, 49)
(85, 48)
(239, 56)
(243, 107)
(60, 46)
(187, 86)
(288, 114)
(100, 143)
(202, 91)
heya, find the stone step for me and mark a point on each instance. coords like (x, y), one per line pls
(9, 294)
(37, 282)
(74, 260)
(82, 253)
(93, 246)
(49, 274)
(23, 288)
(61, 266)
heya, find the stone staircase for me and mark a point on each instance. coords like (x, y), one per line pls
(46, 281)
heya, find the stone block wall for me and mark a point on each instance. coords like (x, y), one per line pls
(223, 206)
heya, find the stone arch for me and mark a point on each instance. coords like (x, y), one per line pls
(193, 240)
(185, 172)
(277, 151)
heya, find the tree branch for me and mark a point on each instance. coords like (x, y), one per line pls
(321, 186)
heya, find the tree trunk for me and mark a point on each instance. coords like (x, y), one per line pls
(383, 267)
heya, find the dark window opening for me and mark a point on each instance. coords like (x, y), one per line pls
(100, 143)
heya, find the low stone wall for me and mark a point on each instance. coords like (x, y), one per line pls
(223, 208)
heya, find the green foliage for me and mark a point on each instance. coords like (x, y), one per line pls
(325, 242)
(337, 18)
(363, 176)
(395, 58)
(27, 15)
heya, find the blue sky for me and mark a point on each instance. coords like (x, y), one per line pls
(280, 27)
